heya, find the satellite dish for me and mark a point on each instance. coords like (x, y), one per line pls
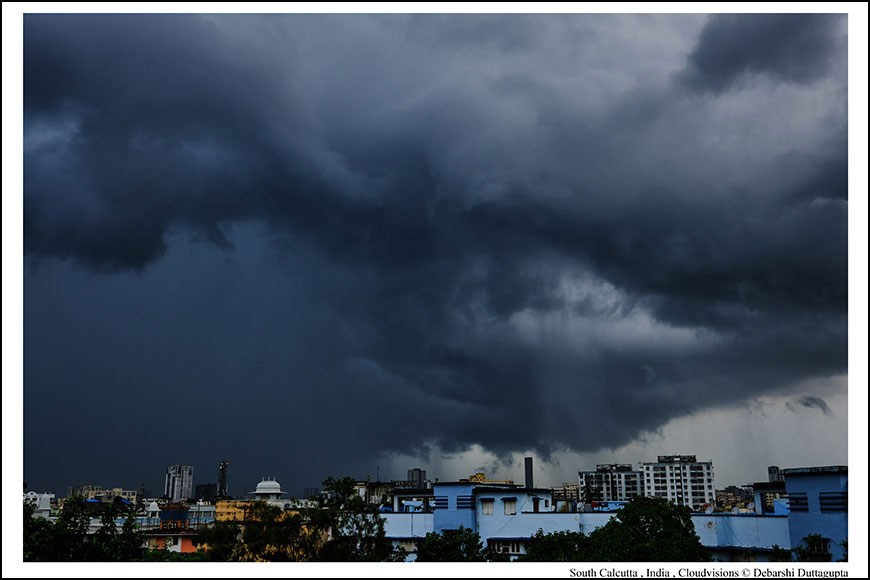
(709, 510)
(735, 510)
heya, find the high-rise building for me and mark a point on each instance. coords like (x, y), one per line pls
(610, 482)
(681, 479)
(179, 482)
(530, 473)
(206, 491)
(417, 477)
(223, 466)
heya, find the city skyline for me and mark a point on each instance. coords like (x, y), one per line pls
(330, 245)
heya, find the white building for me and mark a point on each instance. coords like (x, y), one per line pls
(611, 482)
(179, 482)
(680, 479)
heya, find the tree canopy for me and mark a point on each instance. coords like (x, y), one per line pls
(647, 529)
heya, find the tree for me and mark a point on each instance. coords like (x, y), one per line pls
(67, 539)
(462, 545)
(816, 550)
(554, 547)
(354, 529)
(779, 554)
(647, 529)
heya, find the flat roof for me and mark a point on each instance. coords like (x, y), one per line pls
(814, 470)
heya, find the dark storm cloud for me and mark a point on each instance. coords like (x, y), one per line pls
(792, 47)
(511, 231)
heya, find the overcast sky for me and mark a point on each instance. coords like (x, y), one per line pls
(322, 245)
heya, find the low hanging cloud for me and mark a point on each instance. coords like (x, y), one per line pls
(518, 231)
(810, 403)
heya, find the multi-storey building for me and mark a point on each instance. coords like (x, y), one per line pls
(97, 492)
(610, 482)
(179, 482)
(681, 479)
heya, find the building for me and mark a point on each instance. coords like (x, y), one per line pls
(505, 516)
(178, 484)
(97, 492)
(818, 518)
(681, 479)
(206, 491)
(770, 497)
(610, 482)
(269, 491)
(223, 466)
(174, 532)
(417, 478)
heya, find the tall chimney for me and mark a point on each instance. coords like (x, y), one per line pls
(530, 480)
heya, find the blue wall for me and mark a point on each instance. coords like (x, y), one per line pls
(833, 525)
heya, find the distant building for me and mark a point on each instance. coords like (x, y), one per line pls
(174, 532)
(417, 478)
(269, 490)
(610, 482)
(97, 492)
(223, 466)
(206, 491)
(774, 473)
(310, 492)
(178, 484)
(681, 479)
(766, 495)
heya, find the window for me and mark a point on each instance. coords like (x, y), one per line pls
(510, 507)
(486, 507)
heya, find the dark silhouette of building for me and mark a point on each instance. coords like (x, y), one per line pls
(222, 478)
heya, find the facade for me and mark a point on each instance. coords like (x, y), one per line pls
(178, 484)
(818, 517)
(223, 466)
(206, 491)
(174, 532)
(505, 516)
(680, 479)
(417, 478)
(610, 482)
(97, 492)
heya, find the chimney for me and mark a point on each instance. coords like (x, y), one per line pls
(530, 480)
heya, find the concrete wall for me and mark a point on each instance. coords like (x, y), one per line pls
(831, 525)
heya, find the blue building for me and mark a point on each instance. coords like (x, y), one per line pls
(818, 505)
(506, 515)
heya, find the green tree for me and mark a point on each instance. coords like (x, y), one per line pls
(779, 554)
(354, 528)
(67, 540)
(554, 547)
(815, 550)
(219, 542)
(647, 529)
(462, 545)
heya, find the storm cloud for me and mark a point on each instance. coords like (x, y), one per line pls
(414, 232)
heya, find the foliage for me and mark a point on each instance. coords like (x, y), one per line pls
(67, 539)
(780, 554)
(648, 529)
(343, 528)
(354, 528)
(554, 547)
(645, 530)
(814, 550)
(845, 545)
(462, 545)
